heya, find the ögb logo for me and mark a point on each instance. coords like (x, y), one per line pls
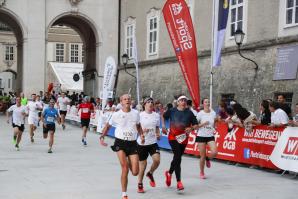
(292, 146)
(230, 140)
(177, 8)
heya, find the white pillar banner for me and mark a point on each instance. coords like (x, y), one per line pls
(285, 153)
(108, 79)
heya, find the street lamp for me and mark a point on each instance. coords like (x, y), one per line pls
(239, 36)
(125, 61)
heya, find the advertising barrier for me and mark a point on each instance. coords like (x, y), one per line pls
(285, 153)
(252, 148)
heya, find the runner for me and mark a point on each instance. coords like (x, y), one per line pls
(18, 120)
(127, 123)
(40, 104)
(24, 100)
(62, 103)
(182, 122)
(205, 135)
(150, 124)
(33, 107)
(86, 109)
(49, 116)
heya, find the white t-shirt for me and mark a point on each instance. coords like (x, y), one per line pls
(208, 130)
(17, 114)
(33, 108)
(150, 122)
(125, 124)
(63, 101)
(279, 117)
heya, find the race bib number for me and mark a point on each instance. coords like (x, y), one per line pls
(50, 119)
(85, 110)
(181, 138)
(128, 136)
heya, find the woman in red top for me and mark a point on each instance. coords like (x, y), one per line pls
(86, 109)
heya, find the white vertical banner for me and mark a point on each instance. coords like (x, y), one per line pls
(135, 61)
(108, 79)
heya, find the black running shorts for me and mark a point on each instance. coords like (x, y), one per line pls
(200, 139)
(63, 113)
(21, 128)
(146, 150)
(49, 127)
(129, 147)
(85, 122)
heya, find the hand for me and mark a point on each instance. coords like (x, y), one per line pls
(145, 130)
(158, 136)
(188, 129)
(102, 142)
(164, 131)
(143, 139)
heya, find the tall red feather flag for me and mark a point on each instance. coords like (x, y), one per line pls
(179, 24)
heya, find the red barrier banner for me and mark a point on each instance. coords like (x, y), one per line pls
(181, 31)
(238, 145)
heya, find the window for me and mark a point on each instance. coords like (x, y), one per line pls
(83, 53)
(74, 53)
(8, 86)
(152, 33)
(59, 52)
(4, 27)
(291, 12)
(228, 97)
(288, 97)
(236, 13)
(9, 53)
(129, 31)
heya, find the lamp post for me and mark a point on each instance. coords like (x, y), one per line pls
(125, 61)
(239, 36)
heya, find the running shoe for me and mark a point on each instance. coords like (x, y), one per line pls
(180, 186)
(152, 182)
(168, 178)
(14, 141)
(17, 147)
(63, 126)
(32, 140)
(140, 188)
(50, 150)
(202, 176)
(208, 163)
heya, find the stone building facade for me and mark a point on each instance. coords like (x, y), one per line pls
(268, 26)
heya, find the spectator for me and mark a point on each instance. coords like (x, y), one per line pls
(222, 113)
(294, 122)
(279, 118)
(282, 104)
(247, 118)
(265, 114)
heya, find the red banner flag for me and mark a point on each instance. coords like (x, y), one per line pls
(180, 27)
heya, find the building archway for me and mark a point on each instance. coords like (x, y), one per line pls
(88, 33)
(15, 25)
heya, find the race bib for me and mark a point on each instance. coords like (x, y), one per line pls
(85, 110)
(128, 136)
(50, 119)
(181, 138)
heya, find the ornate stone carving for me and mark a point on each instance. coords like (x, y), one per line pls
(2, 3)
(74, 2)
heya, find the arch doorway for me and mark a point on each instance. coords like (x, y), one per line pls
(64, 47)
(11, 47)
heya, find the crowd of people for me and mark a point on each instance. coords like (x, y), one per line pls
(137, 128)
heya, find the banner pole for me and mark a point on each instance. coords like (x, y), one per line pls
(212, 52)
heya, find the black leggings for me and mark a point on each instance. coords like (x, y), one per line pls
(178, 150)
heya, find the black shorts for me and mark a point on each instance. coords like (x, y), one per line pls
(204, 139)
(63, 113)
(21, 128)
(85, 122)
(49, 127)
(129, 147)
(145, 150)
